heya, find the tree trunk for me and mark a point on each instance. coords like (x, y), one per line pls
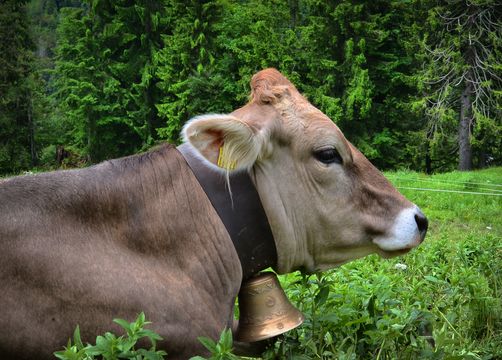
(31, 131)
(92, 142)
(151, 115)
(464, 130)
(293, 10)
(428, 159)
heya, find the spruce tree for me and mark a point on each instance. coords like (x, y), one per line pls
(130, 33)
(17, 128)
(105, 76)
(186, 71)
(462, 51)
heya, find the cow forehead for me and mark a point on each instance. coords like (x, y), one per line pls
(274, 97)
(315, 131)
(316, 123)
(292, 119)
(310, 129)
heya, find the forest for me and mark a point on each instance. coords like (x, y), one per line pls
(414, 84)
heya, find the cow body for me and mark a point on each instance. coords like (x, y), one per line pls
(139, 233)
(129, 235)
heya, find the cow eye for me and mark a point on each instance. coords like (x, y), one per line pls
(328, 156)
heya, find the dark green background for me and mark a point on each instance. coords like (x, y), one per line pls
(102, 78)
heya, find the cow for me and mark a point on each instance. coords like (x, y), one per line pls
(175, 231)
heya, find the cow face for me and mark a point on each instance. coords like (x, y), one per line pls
(325, 202)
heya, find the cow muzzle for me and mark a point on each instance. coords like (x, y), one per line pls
(407, 232)
(422, 223)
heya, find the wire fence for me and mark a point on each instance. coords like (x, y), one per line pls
(449, 186)
(449, 191)
(462, 184)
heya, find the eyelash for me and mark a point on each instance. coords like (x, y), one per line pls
(328, 156)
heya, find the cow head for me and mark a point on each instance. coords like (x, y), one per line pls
(325, 202)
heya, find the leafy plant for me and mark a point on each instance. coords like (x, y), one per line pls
(221, 350)
(111, 347)
(441, 301)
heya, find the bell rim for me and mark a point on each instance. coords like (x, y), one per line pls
(248, 334)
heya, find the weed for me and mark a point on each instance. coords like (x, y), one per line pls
(441, 301)
(221, 350)
(111, 347)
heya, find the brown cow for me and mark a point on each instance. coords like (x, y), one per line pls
(160, 232)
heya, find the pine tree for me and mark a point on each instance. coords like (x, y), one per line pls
(131, 36)
(105, 76)
(356, 69)
(462, 54)
(186, 66)
(74, 78)
(131, 73)
(17, 129)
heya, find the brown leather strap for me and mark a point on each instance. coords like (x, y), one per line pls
(242, 214)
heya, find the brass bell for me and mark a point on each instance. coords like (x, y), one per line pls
(265, 311)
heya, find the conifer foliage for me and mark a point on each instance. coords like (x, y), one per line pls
(17, 148)
(412, 84)
(463, 76)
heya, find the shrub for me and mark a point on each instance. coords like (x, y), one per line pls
(111, 347)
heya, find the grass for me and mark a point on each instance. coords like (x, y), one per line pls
(441, 301)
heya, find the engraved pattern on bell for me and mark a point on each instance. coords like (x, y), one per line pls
(265, 311)
(270, 301)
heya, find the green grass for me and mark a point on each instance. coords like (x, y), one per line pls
(446, 304)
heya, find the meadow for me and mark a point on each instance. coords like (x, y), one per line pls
(443, 300)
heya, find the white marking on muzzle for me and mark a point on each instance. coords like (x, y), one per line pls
(404, 233)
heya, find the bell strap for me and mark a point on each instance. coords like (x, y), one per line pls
(242, 213)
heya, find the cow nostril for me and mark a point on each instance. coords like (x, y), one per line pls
(422, 224)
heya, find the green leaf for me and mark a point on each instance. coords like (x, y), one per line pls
(332, 318)
(371, 306)
(123, 323)
(76, 338)
(226, 339)
(432, 279)
(208, 343)
(140, 320)
(322, 296)
(398, 326)
(93, 350)
(151, 354)
(153, 336)
(126, 344)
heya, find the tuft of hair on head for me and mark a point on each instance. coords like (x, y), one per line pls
(269, 86)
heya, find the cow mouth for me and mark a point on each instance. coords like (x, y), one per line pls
(386, 254)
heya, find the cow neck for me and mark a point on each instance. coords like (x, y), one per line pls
(242, 213)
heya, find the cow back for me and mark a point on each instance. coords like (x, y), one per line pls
(128, 235)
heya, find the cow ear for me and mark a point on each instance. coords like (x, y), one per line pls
(224, 140)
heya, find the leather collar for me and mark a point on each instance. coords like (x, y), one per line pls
(242, 214)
